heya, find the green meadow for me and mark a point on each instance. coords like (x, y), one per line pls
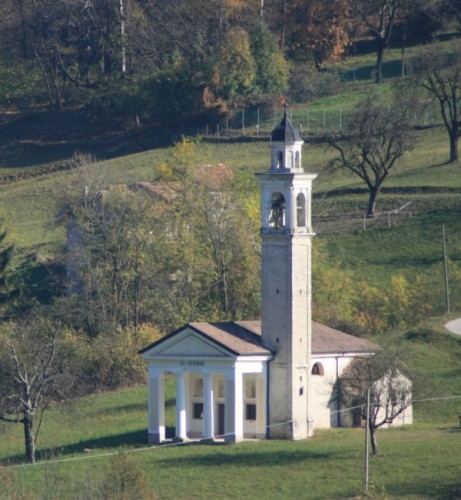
(80, 440)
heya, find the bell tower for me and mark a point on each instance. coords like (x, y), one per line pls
(286, 233)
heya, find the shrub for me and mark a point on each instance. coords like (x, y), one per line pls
(306, 83)
(123, 479)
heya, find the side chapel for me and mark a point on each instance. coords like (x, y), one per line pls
(272, 378)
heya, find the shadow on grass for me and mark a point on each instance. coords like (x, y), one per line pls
(135, 438)
(429, 489)
(129, 407)
(245, 458)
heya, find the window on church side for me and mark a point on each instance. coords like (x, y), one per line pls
(301, 210)
(297, 162)
(197, 411)
(277, 214)
(250, 411)
(317, 369)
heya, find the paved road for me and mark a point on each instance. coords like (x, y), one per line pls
(454, 326)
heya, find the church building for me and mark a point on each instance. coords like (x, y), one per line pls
(271, 378)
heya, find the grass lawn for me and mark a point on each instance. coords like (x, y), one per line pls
(421, 461)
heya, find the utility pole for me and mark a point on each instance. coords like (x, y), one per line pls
(367, 454)
(445, 265)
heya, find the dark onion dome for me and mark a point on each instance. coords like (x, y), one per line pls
(286, 131)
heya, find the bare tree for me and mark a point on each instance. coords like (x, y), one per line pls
(390, 388)
(440, 74)
(32, 375)
(5, 258)
(380, 137)
(379, 18)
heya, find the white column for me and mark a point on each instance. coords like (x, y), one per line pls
(261, 409)
(234, 406)
(156, 406)
(292, 208)
(181, 430)
(208, 410)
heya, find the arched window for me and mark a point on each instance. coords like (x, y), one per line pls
(317, 369)
(280, 159)
(297, 162)
(291, 160)
(277, 215)
(301, 210)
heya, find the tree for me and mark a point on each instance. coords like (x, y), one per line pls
(380, 137)
(323, 31)
(390, 388)
(237, 68)
(114, 250)
(440, 74)
(379, 18)
(111, 244)
(214, 272)
(33, 374)
(271, 67)
(5, 259)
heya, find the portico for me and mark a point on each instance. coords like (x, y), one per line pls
(221, 385)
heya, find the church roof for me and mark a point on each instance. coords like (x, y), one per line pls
(243, 338)
(285, 131)
(327, 340)
(240, 337)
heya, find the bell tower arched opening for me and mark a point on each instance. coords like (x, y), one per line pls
(280, 163)
(277, 215)
(301, 210)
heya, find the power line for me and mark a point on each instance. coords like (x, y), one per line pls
(198, 441)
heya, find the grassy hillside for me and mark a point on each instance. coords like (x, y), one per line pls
(416, 462)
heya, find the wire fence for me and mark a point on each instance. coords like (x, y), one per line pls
(341, 222)
(258, 122)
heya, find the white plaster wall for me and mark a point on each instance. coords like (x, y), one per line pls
(324, 404)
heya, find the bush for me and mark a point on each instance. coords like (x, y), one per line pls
(112, 361)
(306, 83)
(123, 479)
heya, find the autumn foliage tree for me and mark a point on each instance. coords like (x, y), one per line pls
(325, 32)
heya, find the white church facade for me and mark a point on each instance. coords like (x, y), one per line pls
(272, 378)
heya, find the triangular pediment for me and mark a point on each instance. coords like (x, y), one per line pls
(187, 343)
